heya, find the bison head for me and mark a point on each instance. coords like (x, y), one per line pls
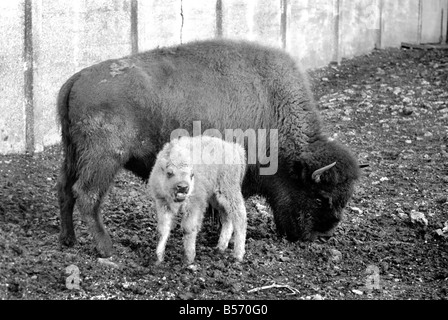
(311, 194)
(329, 171)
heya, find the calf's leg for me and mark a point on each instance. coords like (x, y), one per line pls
(226, 231)
(191, 224)
(236, 221)
(164, 225)
(239, 219)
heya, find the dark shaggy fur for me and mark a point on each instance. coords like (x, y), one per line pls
(119, 113)
(309, 208)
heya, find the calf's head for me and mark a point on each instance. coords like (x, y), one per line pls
(177, 176)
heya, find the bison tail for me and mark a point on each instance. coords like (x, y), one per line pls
(64, 120)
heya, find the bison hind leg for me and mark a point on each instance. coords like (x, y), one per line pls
(90, 188)
(67, 200)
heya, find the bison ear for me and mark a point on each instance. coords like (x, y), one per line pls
(316, 174)
(299, 170)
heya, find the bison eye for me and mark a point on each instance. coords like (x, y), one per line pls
(169, 174)
(191, 176)
(319, 202)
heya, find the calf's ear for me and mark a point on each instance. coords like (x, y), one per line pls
(317, 174)
(163, 164)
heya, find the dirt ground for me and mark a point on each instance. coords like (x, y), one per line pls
(390, 107)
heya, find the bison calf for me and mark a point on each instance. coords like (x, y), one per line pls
(191, 173)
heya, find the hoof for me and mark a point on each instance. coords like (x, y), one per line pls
(238, 259)
(68, 240)
(103, 244)
(158, 263)
(105, 253)
(105, 249)
(188, 262)
(218, 250)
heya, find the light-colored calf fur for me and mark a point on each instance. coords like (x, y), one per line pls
(191, 173)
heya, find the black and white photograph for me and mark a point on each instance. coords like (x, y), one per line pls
(225, 154)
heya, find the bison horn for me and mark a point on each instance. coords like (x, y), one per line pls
(316, 174)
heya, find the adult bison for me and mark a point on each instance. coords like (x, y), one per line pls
(119, 113)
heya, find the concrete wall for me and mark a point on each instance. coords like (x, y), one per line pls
(255, 20)
(160, 23)
(400, 22)
(67, 36)
(433, 29)
(43, 42)
(312, 31)
(12, 83)
(413, 21)
(359, 27)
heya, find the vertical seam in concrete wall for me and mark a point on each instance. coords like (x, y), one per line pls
(134, 26)
(218, 32)
(441, 26)
(420, 22)
(337, 30)
(182, 20)
(283, 21)
(446, 37)
(76, 27)
(28, 75)
(379, 39)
